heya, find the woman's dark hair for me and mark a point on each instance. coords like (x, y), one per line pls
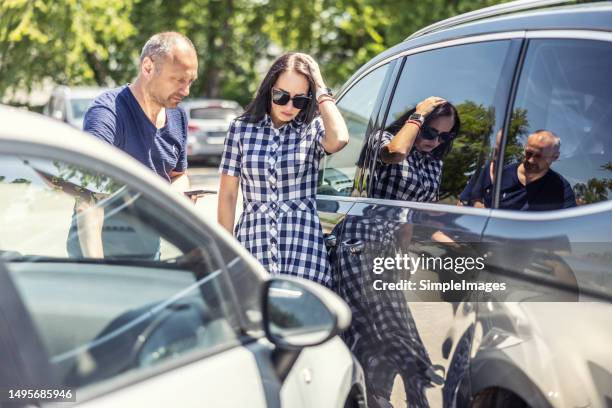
(261, 103)
(447, 109)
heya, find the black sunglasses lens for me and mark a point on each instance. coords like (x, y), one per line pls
(428, 133)
(300, 102)
(446, 137)
(280, 97)
(431, 134)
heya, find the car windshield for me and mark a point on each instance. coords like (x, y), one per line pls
(79, 106)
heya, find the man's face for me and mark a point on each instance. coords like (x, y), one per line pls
(171, 78)
(539, 154)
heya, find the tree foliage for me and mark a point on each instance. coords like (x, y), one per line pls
(77, 42)
(71, 42)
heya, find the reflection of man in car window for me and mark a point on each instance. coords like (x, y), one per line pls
(527, 186)
(412, 150)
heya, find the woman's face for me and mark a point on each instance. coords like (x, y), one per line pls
(294, 84)
(442, 124)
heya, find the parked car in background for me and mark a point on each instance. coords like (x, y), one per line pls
(197, 322)
(209, 120)
(69, 104)
(510, 70)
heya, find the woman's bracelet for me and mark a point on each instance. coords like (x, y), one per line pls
(414, 122)
(326, 99)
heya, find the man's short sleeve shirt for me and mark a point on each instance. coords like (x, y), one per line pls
(117, 118)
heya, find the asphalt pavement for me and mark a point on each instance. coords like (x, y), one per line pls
(206, 177)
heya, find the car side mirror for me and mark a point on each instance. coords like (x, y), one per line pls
(299, 313)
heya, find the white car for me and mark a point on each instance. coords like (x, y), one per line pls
(69, 104)
(196, 323)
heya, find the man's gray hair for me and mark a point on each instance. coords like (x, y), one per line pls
(556, 140)
(160, 45)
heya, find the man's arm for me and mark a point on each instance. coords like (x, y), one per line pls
(101, 122)
(89, 219)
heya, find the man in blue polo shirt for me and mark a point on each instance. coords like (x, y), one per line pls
(527, 186)
(144, 120)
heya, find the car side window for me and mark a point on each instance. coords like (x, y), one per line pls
(560, 142)
(356, 106)
(157, 291)
(475, 79)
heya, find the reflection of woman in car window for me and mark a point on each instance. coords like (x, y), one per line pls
(412, 150)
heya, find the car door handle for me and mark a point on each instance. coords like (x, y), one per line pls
(355, 246)
(330, 240)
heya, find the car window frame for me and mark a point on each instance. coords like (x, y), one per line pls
(511, 36)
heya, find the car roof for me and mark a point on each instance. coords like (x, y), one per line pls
(590, 16)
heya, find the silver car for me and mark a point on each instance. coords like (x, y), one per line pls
(544, 340)
(197, 323)
(209, 120)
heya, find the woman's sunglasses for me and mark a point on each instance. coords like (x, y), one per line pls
(280, 97)
(430, 133)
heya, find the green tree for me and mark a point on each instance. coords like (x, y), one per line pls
(77, 42)
(344, 34)
(68, 41)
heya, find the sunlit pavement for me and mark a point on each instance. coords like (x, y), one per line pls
(207, 177)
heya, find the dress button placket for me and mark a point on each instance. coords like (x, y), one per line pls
(273, 210)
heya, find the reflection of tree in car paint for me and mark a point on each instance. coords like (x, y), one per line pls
(21, 181)
(16, 181)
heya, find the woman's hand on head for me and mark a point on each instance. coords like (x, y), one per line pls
(315, 71)
(426, 106)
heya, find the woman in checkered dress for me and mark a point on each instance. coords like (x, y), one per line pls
(273, 152)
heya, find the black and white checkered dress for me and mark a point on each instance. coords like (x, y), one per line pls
(278, 170)
(383, 334)
(417, 178)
